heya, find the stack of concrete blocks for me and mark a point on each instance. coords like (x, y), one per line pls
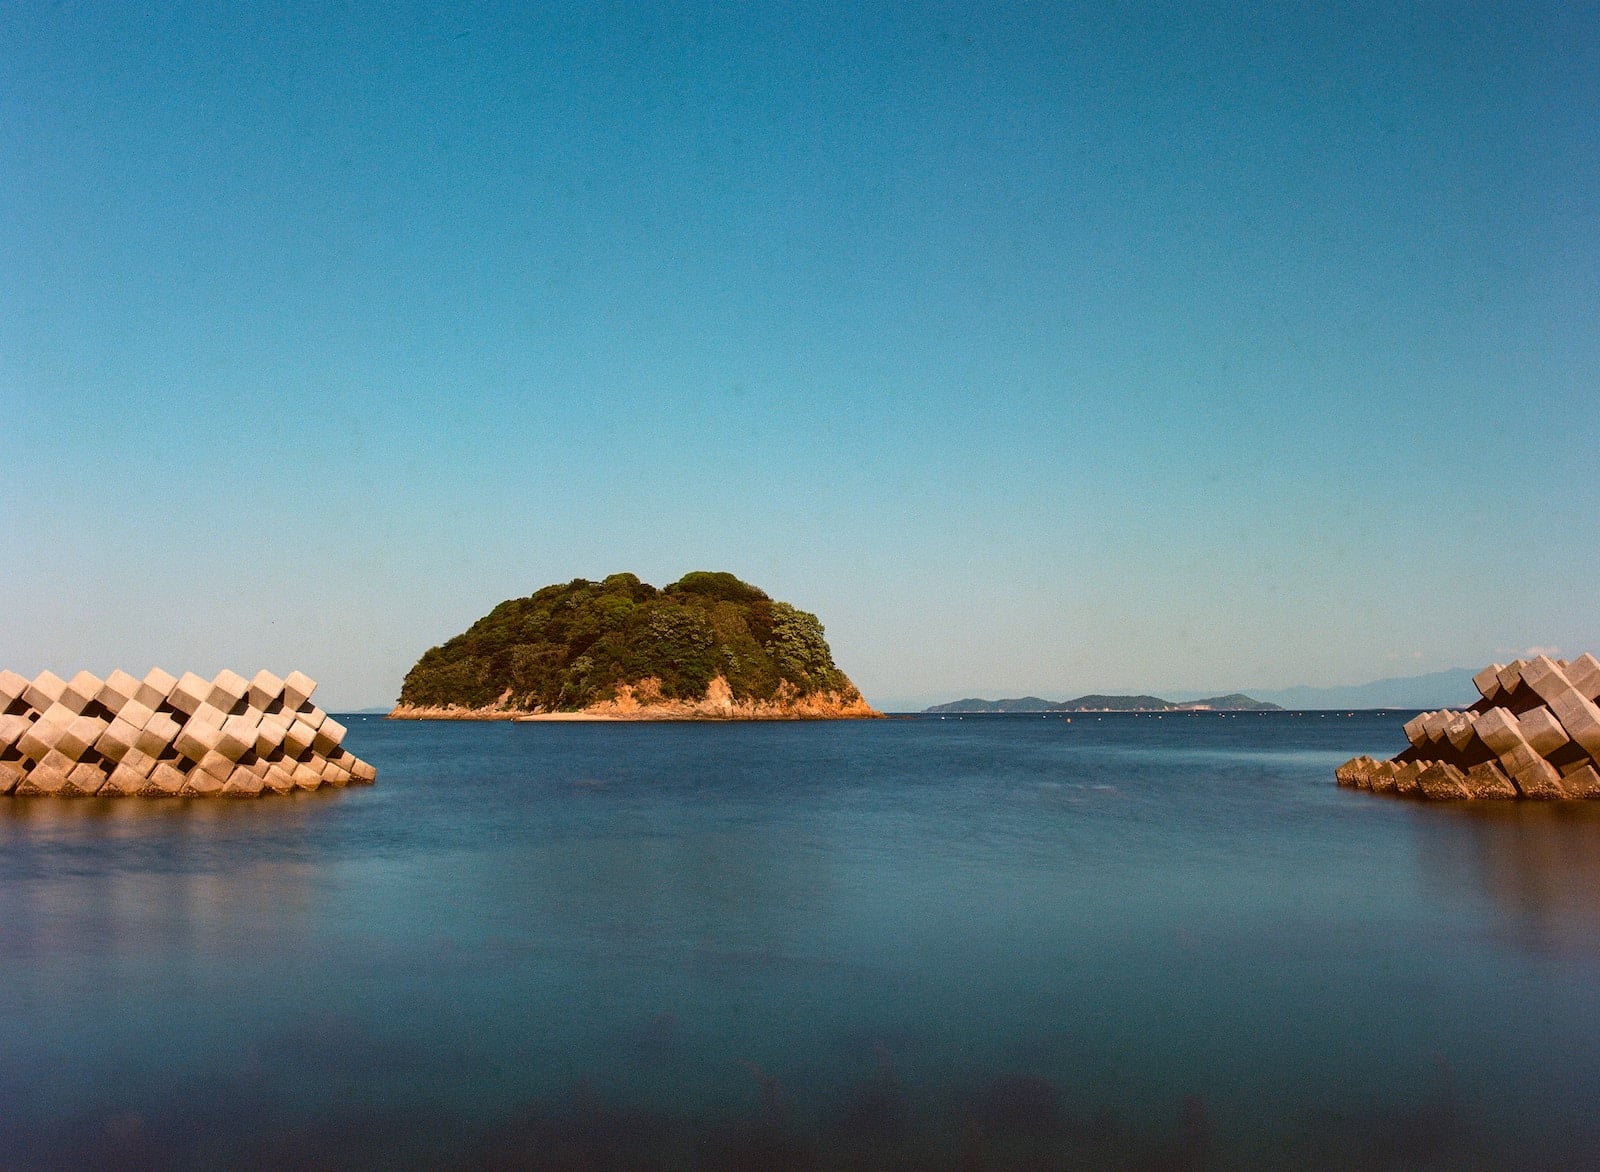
(165, 736)
(1535, 734)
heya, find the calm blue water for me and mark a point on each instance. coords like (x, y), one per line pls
(1124, 941)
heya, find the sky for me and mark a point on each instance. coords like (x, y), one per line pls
(1036, 348)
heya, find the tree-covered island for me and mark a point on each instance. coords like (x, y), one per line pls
(709, 646)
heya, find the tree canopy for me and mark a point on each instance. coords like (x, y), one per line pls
(565, 647)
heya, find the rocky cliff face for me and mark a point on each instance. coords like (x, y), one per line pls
(644, 701)
(1535, 734)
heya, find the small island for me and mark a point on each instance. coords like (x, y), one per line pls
(707, 647)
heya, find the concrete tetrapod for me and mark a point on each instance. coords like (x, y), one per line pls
(1534, 734)
(169, 736)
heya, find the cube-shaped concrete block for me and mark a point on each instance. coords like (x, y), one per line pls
(189, 693)
(1380, 777)
(1511, 676)
(156, 687)
(160, 731)
(1487, 781)
(13, 687)
(119, 739)
(200, 783)
(49, 775)
(269, 735)
(136, 713)
(11, 773)
(243, 783)
(1581, 780)
(123, 783)
(1584, 672)
(44, 690)
(118, 689)
(297, 739)
(137, 762)
(197, 739)
(328, 736)
(59, 715)
(248, 720)
(1542, 731)
(84, 780)
(228, 691)
(1498, 729)
(81, 691)
(166, 778)
(214, 763)
(238, 737)
(1535, 777)
(1414, 730)
(297, 689)
(1440, 782)
(1545, 677)
(1487, 681)
(1405, 778)
(39, 738)
(1350, 773)
(166, 735)
(11, 729)
(265, 688)
(80, 736)
(209, 713)
(1581, 719)
(1461, 732)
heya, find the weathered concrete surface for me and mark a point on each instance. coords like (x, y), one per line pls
(1534, 735)
(165, 735)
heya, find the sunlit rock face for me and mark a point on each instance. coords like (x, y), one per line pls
(1534, 734)
(169, 736)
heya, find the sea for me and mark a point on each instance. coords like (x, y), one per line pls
(1144, 941)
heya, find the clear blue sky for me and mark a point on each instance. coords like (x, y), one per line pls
(1036, 348)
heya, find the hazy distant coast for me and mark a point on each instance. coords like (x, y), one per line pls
(1237, 702)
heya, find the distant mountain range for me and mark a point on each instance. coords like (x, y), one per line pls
(1440, 689)
(1095, 702)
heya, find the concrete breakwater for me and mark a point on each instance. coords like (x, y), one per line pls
(167, 736)
(1534, 734)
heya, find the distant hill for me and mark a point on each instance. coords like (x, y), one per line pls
(1440, 689)
(1236, 702)
(1022, 704)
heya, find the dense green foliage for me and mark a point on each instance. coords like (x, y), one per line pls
(565, 647)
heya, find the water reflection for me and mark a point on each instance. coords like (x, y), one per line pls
(1535, 863)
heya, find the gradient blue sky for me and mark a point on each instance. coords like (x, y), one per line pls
(1036, 348)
